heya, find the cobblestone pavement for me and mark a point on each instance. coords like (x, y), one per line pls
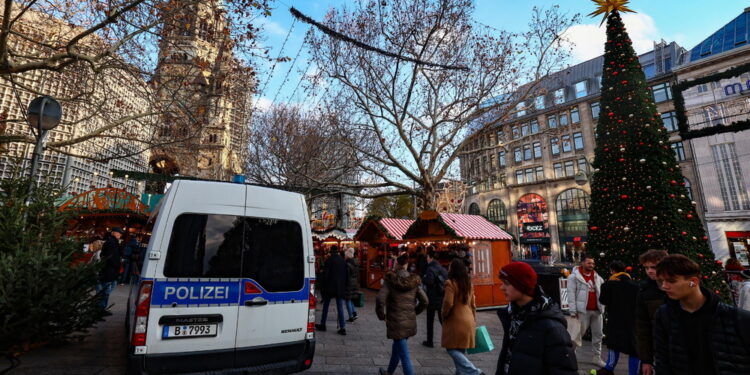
(361, 351)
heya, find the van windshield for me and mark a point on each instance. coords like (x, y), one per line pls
(268, 251)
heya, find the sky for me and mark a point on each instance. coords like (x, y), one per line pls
(687, 22)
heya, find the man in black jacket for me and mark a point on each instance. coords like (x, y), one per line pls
(536, 340)
(110, 256)
(649, 299)
(434, 283)
(336, 276)
(694, 333)
(618, 296)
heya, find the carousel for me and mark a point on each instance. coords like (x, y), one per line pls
(97, 211)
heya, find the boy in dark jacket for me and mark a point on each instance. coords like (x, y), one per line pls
(110, 256)
(434, 283)
(694, 333)
(618, 296)
(336, 276)
(536, 340)
(649, 299)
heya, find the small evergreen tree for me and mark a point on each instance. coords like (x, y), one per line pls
(44, 296)
(639, 200)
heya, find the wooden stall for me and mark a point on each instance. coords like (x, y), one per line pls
(489, 248)
(378, 238)
(98, 211)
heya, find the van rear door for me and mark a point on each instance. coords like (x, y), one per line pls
(194, 305)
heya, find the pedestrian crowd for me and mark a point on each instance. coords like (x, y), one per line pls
(667, 324)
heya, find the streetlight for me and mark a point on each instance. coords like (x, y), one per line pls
(44, 114)
(582, 177)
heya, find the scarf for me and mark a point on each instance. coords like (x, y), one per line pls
(616, 277)
(518, 316)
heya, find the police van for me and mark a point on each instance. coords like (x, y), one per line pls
(227, 284)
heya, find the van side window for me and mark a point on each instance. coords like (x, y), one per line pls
(273, 255)
(205, 246)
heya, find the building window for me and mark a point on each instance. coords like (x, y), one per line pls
(662, 92)
(649, 70)
(558, 170)
(581, 89)
(501, 159)
(670, 121)
(526, 152)
(560, 96)
(500, 136)
(539, 173)
(514, 132)
(517, 155)
(534, 126)
(537, 150)
(578, 141)
(552, 121)
(575, 117)
(554, 146)
(598, 79)
(713, 113)
(569, 168)
(497, 214)
(539, 102)
(572, 221)
(566, 146)
(731, 183)
(595, 110)
(529, 175)
(679, 151)
(519, 177)
(564, 119)
(474, 209)
(524, 130)
(520, 109)
(583, 166)
(689, 189)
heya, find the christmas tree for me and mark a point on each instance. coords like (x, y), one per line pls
(639, 200)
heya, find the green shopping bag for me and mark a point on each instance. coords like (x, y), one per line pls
(482, 341)
(360, 300)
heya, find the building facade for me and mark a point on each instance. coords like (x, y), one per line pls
(530, 174)
(722, 160)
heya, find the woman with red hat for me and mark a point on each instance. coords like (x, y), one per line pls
(536, 340)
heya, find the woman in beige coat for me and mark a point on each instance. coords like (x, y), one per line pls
(459, 317)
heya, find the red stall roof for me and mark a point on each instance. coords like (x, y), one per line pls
(396, 227)
(474, 227)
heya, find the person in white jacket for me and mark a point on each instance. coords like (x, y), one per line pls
(744, 300)
(584, 287)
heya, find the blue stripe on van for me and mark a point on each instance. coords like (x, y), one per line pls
(202, 292)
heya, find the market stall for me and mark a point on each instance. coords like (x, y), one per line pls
(97, 211)
(324, 239)
(485, 245)
(378, 239)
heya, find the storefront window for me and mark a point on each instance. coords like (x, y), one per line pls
(572, 218)
(497, 214)
(473, 209)
(533, 227)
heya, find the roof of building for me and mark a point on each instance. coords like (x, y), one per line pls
(474, 227)
(393, 229)
(733, 35)
(396, 227)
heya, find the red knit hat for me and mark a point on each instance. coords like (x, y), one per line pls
(521, 276)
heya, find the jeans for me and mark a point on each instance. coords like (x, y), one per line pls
(339, 307)
(125, 276)
(400, 352)
(463, 365)
(634, 364)
(588, 319)
(104, 289)
(431, 321)
(350, 308)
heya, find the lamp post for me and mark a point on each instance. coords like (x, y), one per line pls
(44, 114)
(582, 178)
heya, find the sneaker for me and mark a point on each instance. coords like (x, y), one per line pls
(355, 315)
(427, 344)
(602, 371)
(351, 320)
(342, 332)
(598, 362)
(320, 327)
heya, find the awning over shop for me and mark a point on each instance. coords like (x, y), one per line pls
(337, 233)
(391, 229)
(458, 226)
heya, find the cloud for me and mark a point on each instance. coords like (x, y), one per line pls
(262, 103)
(271, 27)
(589, 39)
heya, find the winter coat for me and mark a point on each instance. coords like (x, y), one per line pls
(744, 301)
(729, 329)
(335, 278)
(618, 296)
(110, 255)
(578, 291)
(396, 303)
(352, 285)
(542, 345)
(459, 319)
(648, 300)
(435, 272)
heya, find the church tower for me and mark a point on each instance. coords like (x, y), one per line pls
(203, 92)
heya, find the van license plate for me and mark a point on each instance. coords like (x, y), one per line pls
(193, 330)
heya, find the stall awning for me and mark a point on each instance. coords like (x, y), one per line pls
(396, 227)
(376, 227)
(467, 227)
(337, 233)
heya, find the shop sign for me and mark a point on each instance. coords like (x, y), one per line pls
(534, 227)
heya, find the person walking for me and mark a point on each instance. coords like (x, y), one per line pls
(584, 288)
(422, 261)
(131, 249)
(694, 332)
(110, 255)
(744, 298)
(650, 297)
(618, 297)
(335, 276)
(352, 285)
(536, 339)
(434, 284)
(459, 312)
(399, 302)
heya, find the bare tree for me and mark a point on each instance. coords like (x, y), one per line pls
(418, 115)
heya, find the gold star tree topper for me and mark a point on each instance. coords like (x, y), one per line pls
(606, 7)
